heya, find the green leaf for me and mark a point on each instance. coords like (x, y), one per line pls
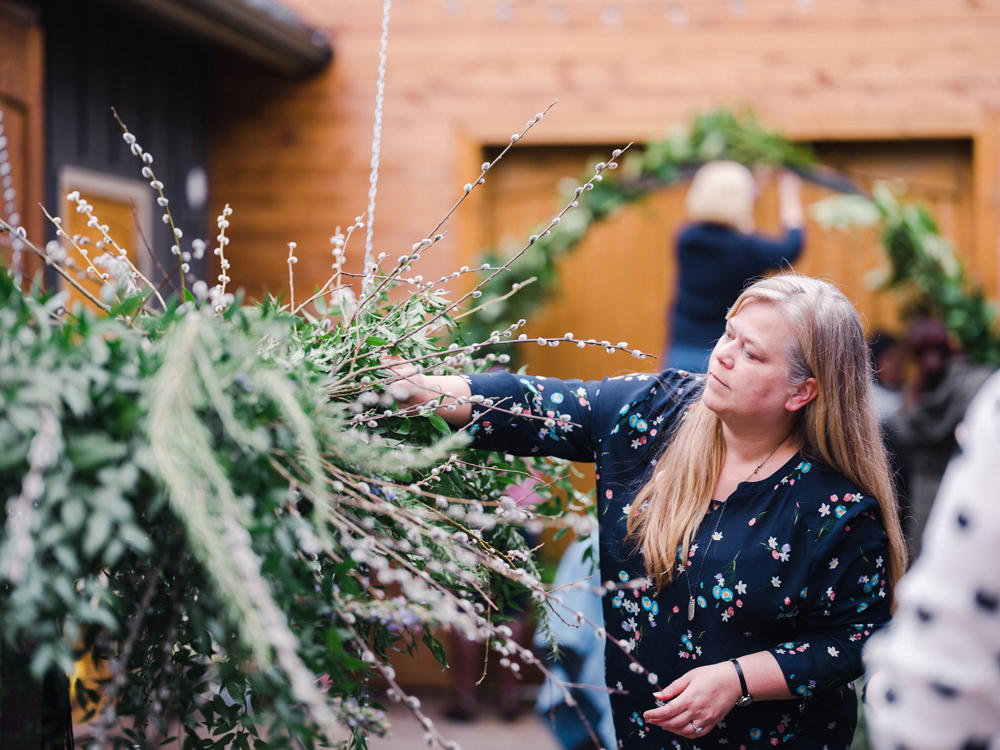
(376, 341)
(440, 424)
(436, 649)
(188, 297)
(127, 307)
(93, 450)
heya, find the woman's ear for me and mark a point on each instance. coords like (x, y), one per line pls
(802, 394)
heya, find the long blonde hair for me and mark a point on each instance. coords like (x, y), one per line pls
(838, 427)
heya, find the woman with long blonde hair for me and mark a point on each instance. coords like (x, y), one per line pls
(749, 531)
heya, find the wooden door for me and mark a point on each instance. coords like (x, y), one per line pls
(21, 97)
(620, 281)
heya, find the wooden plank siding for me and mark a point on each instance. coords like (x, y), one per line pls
(21, 98)
(293, 157)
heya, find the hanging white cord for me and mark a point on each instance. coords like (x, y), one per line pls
(369, 271)
(9, 202)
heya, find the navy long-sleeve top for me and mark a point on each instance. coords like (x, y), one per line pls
(714, 264)
(794, 564)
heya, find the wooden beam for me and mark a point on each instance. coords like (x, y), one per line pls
(986, 202)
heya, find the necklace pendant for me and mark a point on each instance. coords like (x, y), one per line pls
(690, 609)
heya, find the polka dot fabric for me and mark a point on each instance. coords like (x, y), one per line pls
(936, 683)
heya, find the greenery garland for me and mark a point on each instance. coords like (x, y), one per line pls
(720, 134)
(921, 266)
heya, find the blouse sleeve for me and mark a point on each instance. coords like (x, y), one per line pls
(526, 415)
(772, 253)
(846, 601)
(573, 419)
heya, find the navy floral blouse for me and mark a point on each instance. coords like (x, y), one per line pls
(796, 564)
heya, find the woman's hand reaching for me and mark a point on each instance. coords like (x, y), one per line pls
(697, 701)
(412, 388)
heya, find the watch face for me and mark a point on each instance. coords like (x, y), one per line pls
(746, 700)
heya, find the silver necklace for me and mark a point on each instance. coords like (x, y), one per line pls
(722, 509)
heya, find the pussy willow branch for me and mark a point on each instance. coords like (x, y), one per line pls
(514, 290)
(412, 704)
(407, 518)
(432, 237)
(506, 266)
(321, 293)
(60, 232)
(158, 186)
(123, 254)
(384, 507)
(343, 523)
(149, 250)
(338, 266)
(59, 269)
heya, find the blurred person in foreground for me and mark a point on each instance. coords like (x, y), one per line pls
(718, 252)
(749, 534)
(581, 655)
(935, 681)
(933, 405)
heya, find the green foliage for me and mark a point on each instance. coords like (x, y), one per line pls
(922, 267)
(225, 507)
(719, 134)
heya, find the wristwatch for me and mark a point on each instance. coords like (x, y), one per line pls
(746, 699)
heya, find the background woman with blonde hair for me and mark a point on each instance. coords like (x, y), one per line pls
(749, 534)
(718, 252)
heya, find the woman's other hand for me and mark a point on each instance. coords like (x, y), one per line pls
(790, 200)
(698, 700)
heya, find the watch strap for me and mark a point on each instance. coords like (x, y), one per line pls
(745, 699)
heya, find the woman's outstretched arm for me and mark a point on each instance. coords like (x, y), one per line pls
(413, 389)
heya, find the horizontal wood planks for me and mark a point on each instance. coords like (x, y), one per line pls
(293, 157)
(21, 74)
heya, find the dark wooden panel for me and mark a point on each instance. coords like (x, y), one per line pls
(98, 58)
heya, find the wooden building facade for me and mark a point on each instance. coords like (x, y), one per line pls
(882, 89)
(65, 65)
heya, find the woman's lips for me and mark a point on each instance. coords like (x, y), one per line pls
(714, 378)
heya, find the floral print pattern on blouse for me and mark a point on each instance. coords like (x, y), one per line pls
(796, 563)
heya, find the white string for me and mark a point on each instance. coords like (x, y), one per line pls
(9, 202)
(369, 273)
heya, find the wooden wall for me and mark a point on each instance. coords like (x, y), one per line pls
(23, 134)
(293, 157)
(98, 58)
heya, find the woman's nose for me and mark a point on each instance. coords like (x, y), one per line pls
(724, 355)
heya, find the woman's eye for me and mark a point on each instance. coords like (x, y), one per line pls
(749, 354)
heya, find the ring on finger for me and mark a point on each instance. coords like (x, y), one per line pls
(697, 729)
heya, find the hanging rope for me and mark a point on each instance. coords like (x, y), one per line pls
(369, 270)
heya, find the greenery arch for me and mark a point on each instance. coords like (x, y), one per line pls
(921, 264)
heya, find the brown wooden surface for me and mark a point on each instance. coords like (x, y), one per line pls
(117, 216)
(293, 157)
(21, 98)
(620, 282)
